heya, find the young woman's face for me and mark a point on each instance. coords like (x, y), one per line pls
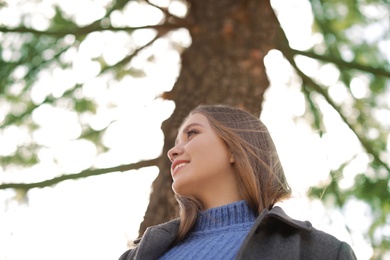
(202, 164)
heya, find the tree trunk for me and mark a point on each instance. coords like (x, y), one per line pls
(224, 64)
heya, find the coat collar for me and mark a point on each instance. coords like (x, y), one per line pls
(268, 222)
(277, 213)
(161, 237)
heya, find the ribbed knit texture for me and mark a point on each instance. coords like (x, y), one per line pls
(218, 233)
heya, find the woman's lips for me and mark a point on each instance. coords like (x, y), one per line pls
(177, 165)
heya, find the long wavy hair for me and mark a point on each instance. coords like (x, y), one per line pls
(260, 174)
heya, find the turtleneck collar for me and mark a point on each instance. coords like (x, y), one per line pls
(231, 214)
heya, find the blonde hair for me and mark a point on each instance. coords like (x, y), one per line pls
(260, 174)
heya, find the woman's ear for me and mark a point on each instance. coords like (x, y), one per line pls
(231, 159)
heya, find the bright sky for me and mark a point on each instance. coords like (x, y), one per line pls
(94, 218)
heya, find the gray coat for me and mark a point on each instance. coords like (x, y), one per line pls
(274, 235)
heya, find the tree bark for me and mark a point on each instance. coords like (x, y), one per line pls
(224, 64)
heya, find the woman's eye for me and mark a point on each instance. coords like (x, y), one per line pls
(191, 132)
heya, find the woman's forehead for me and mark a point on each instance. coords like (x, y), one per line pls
(194, 118)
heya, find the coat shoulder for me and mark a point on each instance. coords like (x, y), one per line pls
(156, 236)
(275, 235)
(314, 243)
(129, 254)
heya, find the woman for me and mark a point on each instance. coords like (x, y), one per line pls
(227, 178)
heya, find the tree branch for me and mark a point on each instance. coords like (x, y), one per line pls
(365, 143)
(83, 174)
(168, 15)
(87, 29)
(341, 63)
(128, 58)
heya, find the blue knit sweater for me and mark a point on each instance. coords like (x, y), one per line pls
(218, 233)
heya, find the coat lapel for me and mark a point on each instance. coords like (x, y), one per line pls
(157, 240)
(264, 234)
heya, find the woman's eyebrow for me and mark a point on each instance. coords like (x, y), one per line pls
(188, 127)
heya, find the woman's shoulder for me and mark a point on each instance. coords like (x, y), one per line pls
(155, 235)
(277, 214)
(129, 254)
(297, 235)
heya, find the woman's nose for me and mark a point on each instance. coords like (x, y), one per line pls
(174, 152)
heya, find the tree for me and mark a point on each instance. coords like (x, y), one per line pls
(223, 64)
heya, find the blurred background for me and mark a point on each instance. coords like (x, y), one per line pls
(92, 91)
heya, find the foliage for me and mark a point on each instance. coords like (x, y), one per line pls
(353, 36)
(351, 32)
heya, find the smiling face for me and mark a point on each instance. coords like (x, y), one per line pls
(202, 164)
